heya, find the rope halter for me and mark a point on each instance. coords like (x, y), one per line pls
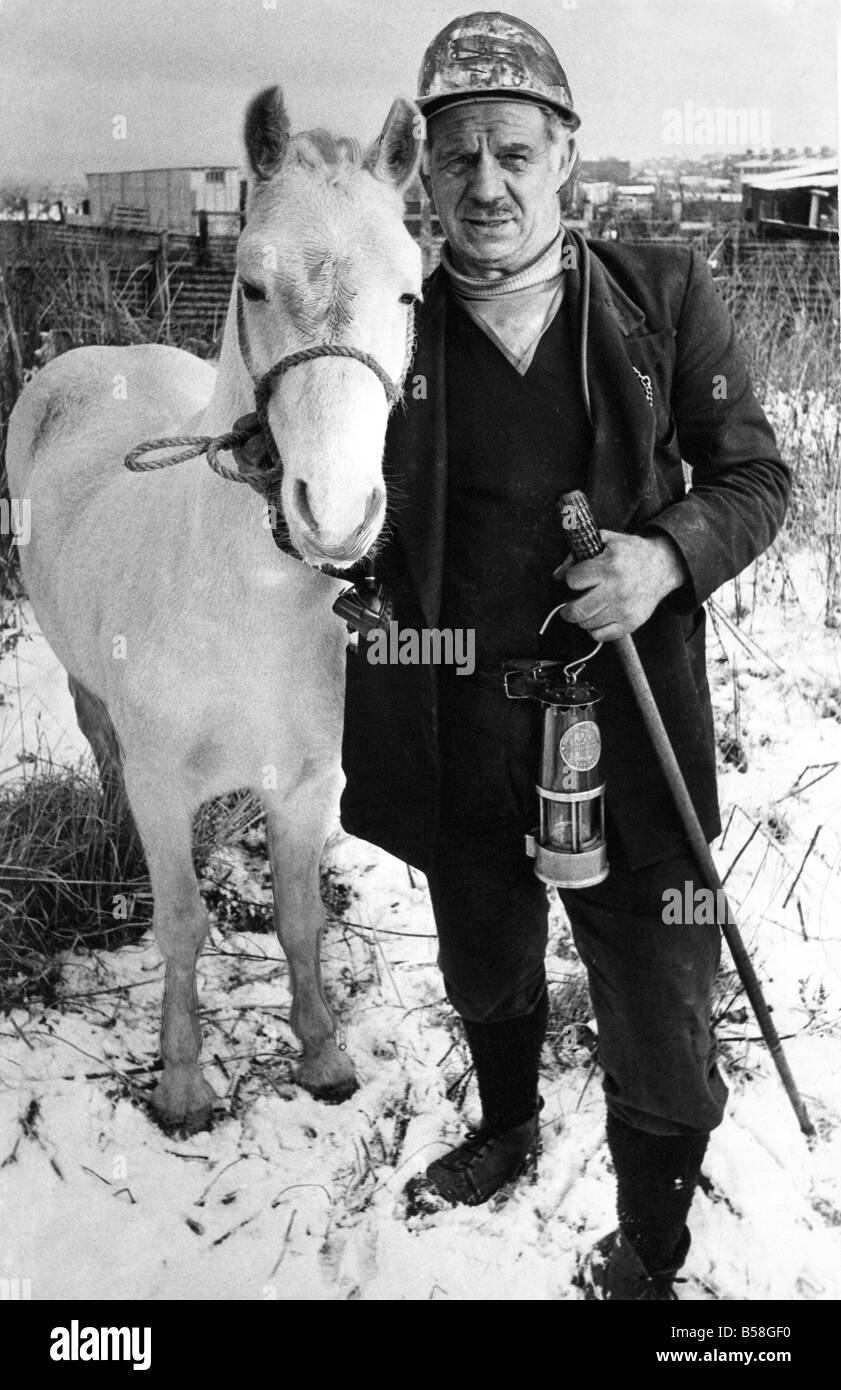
(265, 480)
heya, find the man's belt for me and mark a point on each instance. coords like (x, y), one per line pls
(514, 678)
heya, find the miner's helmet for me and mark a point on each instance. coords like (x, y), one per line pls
(489, 56)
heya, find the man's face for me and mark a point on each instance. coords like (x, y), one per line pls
(495, 174)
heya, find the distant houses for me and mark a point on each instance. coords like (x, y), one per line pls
(605, 171)
(771, 194)
(636, 198)
(702, 198)
(20, 208)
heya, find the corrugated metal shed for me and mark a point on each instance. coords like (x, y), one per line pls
(818, 174)
(798, 202)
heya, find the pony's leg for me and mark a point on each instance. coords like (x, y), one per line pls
(182, 1098)
(297, 826)
(95, 723)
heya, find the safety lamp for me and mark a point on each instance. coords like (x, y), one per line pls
(568, 846)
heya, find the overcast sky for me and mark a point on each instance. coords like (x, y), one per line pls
(181, 71)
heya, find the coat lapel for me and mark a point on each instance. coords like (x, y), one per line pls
(416, 455)
(622, 419)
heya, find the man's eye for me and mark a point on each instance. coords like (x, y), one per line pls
(252, 292)
(518, 160)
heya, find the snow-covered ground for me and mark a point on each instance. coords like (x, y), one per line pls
(290, 1198)
(37, 717)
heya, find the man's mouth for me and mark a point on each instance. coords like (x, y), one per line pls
(487, 221)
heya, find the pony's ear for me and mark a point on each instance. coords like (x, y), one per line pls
(266, 133)
(395, 156)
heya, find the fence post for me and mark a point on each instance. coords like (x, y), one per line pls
(12, 337)
(25, 310)
(162, 277)
(112, 325)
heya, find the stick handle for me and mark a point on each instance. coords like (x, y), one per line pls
(579, 526)
(585, 543)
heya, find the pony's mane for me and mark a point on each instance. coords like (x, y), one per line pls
(334, 157)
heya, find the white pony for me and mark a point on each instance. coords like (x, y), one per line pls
(202, 658)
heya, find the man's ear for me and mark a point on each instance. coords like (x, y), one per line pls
(395, 156)
(570, 166)
(425, 176)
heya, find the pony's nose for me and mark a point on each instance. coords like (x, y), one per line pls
(325, 538)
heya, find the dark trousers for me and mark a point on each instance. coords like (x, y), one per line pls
(650, 983)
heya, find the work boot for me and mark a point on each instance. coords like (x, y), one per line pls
(613, 1270)
(486, 1161)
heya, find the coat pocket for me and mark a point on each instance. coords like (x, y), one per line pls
(652, 358)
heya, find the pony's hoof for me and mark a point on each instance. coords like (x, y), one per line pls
(334, 1095)
(331, 1082)
(183, 1102)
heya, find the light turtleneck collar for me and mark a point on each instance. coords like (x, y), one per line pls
(548, 267)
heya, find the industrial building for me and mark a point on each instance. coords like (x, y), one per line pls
(207, 201)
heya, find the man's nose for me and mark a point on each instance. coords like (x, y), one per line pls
(487, 182)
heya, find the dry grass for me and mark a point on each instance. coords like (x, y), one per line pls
(569, 1037)
(62, 878)
(80, 299)
(788, 322)
(70, 879)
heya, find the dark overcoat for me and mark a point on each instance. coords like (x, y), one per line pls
(666, 382)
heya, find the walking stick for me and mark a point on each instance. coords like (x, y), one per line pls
(585, 543)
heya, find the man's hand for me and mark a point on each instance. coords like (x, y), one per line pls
(621, 588)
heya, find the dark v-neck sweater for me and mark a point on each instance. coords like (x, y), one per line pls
(514, 443)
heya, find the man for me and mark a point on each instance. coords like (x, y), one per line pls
(544, 363)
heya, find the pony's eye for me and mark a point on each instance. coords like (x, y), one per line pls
(408, 299)
(252, 292)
